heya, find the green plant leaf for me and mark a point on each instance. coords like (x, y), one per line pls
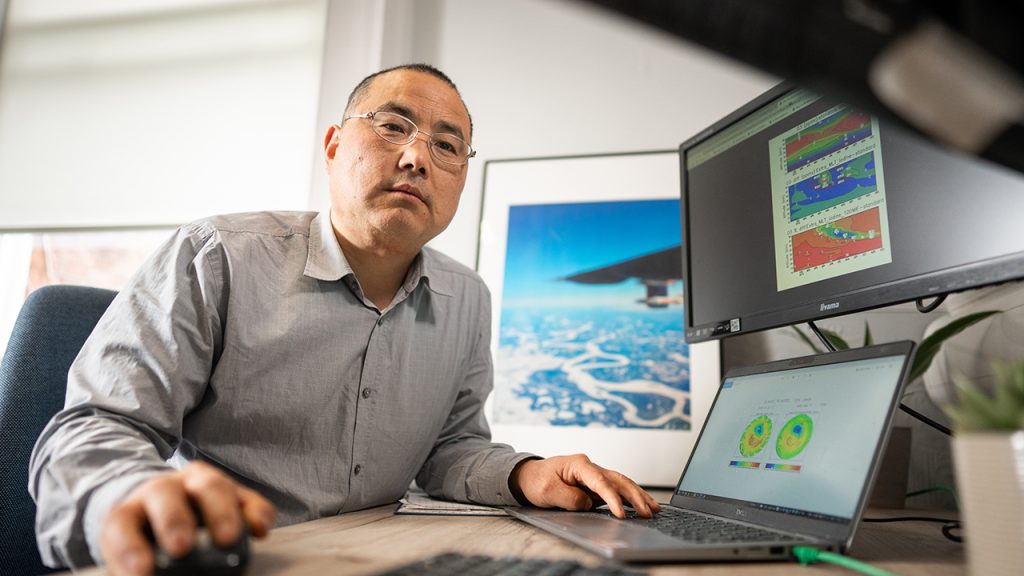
(1009, 392)
(929, 347)
(1013, 374)
(973, 409)
(1003, 409)
(835, 339)
(868, 340)
(807, 340)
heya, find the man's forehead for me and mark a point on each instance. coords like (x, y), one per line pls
(419, 96)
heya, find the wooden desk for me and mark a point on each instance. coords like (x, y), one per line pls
(370, 541)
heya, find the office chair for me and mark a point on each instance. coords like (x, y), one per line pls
(50, 330)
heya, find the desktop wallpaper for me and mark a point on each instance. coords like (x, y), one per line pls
(586, 354)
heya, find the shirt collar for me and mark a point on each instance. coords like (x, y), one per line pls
(427, 266)
(326, 261)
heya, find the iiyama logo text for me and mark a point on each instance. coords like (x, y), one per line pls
(831, 306)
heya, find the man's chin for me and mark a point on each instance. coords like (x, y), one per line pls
(400, 226)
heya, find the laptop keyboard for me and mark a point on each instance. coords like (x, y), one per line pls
(473, 565)
(693, 527)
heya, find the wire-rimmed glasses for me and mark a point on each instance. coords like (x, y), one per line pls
(398, 129)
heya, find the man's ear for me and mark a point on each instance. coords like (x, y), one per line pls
(331, 144)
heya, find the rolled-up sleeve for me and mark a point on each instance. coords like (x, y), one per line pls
(146, 364)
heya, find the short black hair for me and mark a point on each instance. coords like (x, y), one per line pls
(359, 92)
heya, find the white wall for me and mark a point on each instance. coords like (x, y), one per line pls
(545, 78)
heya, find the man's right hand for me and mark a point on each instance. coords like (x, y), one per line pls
(165, 504)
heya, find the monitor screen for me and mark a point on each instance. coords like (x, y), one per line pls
(797, 208)
(781, 439)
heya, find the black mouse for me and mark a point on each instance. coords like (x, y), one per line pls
(205, 558)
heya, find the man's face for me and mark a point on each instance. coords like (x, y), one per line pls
(387, 196)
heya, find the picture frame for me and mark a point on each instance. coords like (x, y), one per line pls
(583, 258)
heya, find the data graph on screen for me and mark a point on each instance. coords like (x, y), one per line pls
(832, 187)
(842, 128)
(828, 198)
(837, 241)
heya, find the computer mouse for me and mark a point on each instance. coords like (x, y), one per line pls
(205, 558)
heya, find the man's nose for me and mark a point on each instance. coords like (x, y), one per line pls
(416, 157)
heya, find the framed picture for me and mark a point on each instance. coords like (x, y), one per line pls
(583, 258)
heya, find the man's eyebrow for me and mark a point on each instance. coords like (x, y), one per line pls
(441, 126)
(450, 128)
(397, 109)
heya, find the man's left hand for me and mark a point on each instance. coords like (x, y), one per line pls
(576, 483)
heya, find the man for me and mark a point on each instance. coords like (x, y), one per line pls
(298, 364)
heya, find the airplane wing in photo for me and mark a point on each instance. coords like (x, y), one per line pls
(657, 271)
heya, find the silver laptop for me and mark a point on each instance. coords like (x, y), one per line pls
(787, 457)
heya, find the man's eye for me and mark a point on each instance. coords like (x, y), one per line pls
(392, 127)
(446, 147)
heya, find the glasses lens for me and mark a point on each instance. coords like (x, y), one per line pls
(393, 128)
(400, 130)
(449, 148)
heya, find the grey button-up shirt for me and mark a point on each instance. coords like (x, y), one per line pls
(245, 341)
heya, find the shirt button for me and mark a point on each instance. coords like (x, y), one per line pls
(366, 392)
(357, 469)
(380, 321)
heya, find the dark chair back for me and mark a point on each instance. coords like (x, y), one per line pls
(50, 330)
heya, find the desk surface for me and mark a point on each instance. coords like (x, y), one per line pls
(371, 541)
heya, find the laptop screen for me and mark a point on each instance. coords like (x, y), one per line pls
(796, 440)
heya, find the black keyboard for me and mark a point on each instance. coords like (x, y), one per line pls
(472, 565)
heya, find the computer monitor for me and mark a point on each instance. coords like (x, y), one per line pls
(797, 208)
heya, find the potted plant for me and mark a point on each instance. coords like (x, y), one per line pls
(891, 484)
(988, 453)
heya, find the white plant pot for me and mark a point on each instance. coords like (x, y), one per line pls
(990, 481)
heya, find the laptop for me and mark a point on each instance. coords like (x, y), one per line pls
(787, 457)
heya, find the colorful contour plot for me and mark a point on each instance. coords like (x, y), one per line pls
(851, 179)
(755, 436)
(794, 436)
(838, 240)
(827, 136)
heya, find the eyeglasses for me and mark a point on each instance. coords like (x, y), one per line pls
(398, 129)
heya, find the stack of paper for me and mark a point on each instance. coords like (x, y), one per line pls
(417, 502)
